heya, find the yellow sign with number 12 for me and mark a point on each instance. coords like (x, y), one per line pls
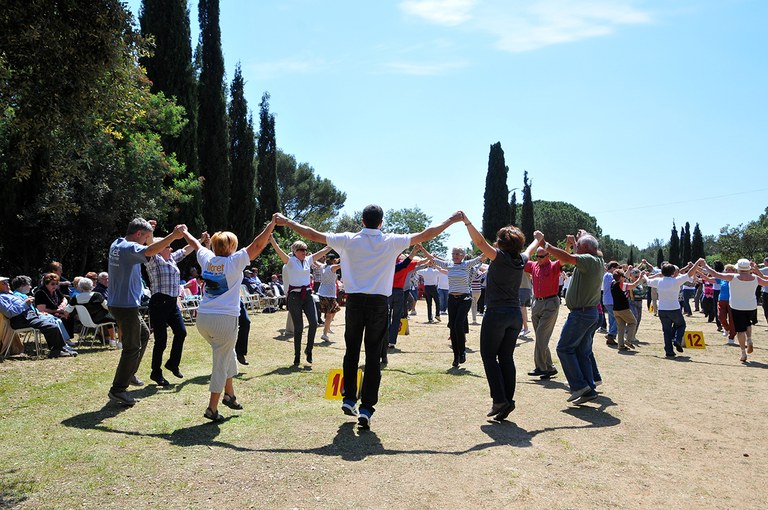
(694, 340)
(335, 384)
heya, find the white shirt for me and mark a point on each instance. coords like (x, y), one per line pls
(743, 294)
(430, 275)
(669, 290)
(222, 276)
(327, 282)
(442, 281)
(297, 273)
(368, 259)
(764, 270)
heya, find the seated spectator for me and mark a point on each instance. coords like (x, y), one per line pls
(278, 291)
(49, 299)
(102, 285)
(64, 285)
(23, 315)
(73, 291)
(95, 304)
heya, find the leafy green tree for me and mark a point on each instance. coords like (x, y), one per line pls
(745, 241)
(306, 197)
(527, 221)
(349, 223)
(558, 219)
(411, 221)
(496, 207)
(213, 137)
(80, 134)
(169, 67)
(266, 172)
(674, 247)
(242, 211)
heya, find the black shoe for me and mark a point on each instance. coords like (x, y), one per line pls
(679, 347)
(296, 360)
(384, 361)
(175, 371)
(231, 402)
(159, 380)
(462, 358)
(241, 359)
(309, 358)
(122, 398)
(611, 341)
(455, 360)
(536, 372)
(502, 415)
(497, 408)
(549, 374)
(670, 355)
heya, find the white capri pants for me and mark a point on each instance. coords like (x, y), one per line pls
(221, 332)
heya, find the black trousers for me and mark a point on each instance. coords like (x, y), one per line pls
(164, 312)
(430, 294)
(366, 324)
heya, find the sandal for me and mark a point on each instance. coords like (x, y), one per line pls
(231, 402)
(213, 415)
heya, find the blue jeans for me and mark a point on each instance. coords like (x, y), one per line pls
(673, 326)
(164, 312)
(575, 348)
(366, 323)
(243, 331)
(396, 306)
(613, 328)
(443, 300)
(688, 293)
(498, 336)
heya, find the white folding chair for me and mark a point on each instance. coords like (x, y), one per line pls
(24, 333)
(188, 309)
(90, 328)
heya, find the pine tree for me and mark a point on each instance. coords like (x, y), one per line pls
(526, 220)
(242, 145)
(631, 258)
(269, 200)
(697, 244)
(513, 209)
(212, 122)
(171, 72)
(659, 257)
(674, 247)
(686, 244)
(496, 207)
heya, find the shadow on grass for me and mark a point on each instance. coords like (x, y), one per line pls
(13, 493)
(755, 364)
(461, 371)
(550, 383)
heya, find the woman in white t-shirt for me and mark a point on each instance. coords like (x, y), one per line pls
(297, 272)
(743, 300)
(668, 284)
(219, 309)
(327, 292)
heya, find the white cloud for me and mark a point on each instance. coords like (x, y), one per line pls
(440, 12)
(519, 26)
(422, 69)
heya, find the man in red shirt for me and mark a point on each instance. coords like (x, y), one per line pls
(403, 266)
(545, 276)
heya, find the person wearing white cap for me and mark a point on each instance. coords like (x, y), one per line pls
(743, 300)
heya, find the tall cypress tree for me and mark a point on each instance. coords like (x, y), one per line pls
(170, 70)
(496, 207)
(697, 244)
(674, 246)
(526, 219)
(513, 209)
(269, 200)
(631, 258)
(242, 143)
(686, 244)
(659, 257)
(212, 122)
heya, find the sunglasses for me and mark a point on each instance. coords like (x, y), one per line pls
(542, 256)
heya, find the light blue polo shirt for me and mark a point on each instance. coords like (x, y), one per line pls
(125, 259)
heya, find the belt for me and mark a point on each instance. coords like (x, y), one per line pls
(548, 297)
(584, 309)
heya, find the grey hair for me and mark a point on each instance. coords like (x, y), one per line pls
(85, 284)
(138, 224)
(458, 249)
(588, 243)
(103, 274)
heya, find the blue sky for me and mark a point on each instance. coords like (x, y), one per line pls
(638, 112)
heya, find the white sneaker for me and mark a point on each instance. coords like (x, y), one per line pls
(525, 332)
(731, 341)
(325, 337)
(119, 344)
(725, 333)
(113, 343)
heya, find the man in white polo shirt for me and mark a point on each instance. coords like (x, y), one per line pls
(368, 264)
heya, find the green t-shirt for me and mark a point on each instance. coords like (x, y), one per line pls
(586, 282)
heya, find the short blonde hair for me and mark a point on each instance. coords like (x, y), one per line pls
(298, 245)
(224, 243)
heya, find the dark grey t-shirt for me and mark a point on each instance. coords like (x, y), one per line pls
(503, 280)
